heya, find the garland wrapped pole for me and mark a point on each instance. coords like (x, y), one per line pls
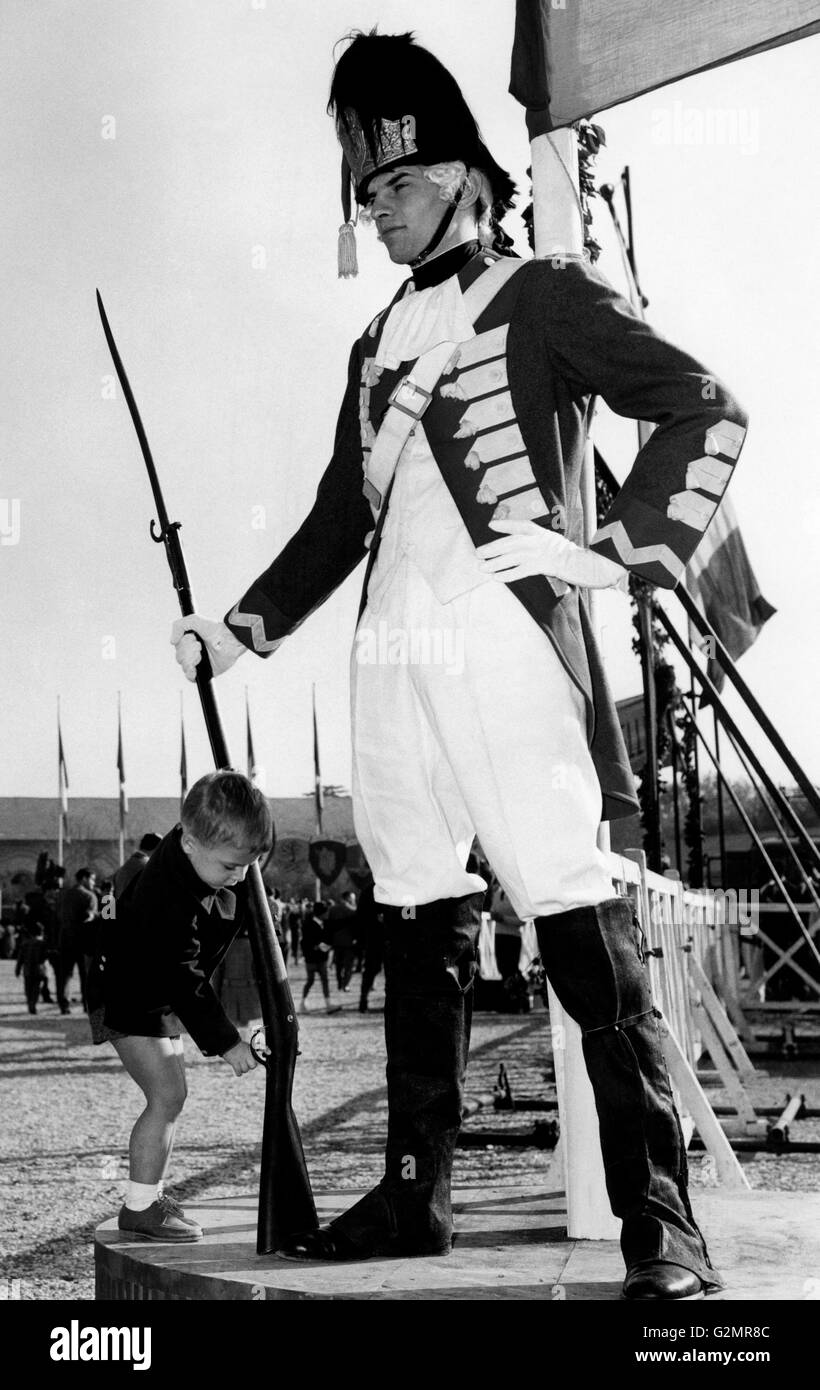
(286, 1204)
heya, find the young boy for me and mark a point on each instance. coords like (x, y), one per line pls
(173, 925)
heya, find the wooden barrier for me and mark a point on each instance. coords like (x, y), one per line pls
(692, 970)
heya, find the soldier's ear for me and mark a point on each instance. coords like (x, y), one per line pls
(471, 190)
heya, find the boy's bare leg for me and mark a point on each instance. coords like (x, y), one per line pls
(158, 1068)
(179, 1051)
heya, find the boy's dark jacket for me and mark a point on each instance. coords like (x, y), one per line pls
(554, 338)
(168, 934)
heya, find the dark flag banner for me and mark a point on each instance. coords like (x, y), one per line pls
(252, 768)
(723, 584)
(183, 759)
(62, 779)
(317, 774)
(121, 773)
(576, 58)
(327, 859)
(719, 577)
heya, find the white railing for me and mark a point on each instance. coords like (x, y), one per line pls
(681, 925)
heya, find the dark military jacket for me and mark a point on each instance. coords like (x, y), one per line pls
(507, 425)
(169, 933)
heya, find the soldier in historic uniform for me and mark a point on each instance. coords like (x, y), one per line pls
(457, 466)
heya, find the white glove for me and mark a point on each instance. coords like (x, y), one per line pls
(528, 549)
(222, 647)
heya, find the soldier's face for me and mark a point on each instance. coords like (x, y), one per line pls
(406, 209)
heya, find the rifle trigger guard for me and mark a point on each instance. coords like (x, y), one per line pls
(261, 1057)
(160, 535)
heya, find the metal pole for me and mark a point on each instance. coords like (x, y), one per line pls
(119, 781)
(695, 800)
(720, 654)
(650, 790)
(721, 823)
(784, 806)
(694, 614)
(675, 792)
(59, 789)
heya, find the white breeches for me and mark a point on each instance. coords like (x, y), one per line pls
(465, 722)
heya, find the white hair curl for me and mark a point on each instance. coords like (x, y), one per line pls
(450, 177)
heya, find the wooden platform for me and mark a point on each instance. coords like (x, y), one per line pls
(512, 1245)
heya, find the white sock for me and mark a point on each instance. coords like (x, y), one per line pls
(140, 1195)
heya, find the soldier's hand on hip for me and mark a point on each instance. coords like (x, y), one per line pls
(527, 548)
(222, 647)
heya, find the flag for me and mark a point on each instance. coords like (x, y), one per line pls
(722, 582)
(577, 58)
(252, 766)
(121, 771)
(62, 780)
(317, 775)
(183, 758)
(719, 576)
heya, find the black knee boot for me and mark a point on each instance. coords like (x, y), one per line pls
(429, 965)
(592, 957)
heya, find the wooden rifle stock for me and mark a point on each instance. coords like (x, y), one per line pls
(286, 1205)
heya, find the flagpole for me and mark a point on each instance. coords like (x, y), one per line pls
(317, 790)
(121, 773)
(251, 756)
(721, 821)
(183, 756)
(59, 788)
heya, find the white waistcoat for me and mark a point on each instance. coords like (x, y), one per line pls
(423, 522)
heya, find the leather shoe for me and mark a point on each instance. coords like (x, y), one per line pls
(658, 1280)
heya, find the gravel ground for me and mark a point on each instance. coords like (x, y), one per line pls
(68, 1109)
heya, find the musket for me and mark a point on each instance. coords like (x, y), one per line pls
(286, 1205)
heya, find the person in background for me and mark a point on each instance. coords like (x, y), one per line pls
(78, 910)
(31, 961)
(370, 935)
(342, 923)
(316, 949)
(135, 862)
(293, 925)
(277, 912)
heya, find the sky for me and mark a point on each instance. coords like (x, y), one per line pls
(177, 155)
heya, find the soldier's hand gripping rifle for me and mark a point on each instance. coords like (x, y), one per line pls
(286, 1205)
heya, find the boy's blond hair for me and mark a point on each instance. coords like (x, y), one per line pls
(224, 807)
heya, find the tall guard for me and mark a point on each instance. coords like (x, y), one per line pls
(457, 464)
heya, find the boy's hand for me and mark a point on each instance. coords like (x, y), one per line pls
(222, 647)
(241, 1058)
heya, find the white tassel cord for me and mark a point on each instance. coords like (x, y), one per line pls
(348, 264)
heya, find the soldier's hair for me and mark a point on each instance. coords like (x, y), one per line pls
(224, 807)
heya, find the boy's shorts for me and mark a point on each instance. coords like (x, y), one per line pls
(101, 1033)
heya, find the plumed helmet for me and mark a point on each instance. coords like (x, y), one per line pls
(395, 103)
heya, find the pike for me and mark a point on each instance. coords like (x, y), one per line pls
(286, 1205)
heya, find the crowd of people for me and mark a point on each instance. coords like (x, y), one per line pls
(342, 933)
(54, 932)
